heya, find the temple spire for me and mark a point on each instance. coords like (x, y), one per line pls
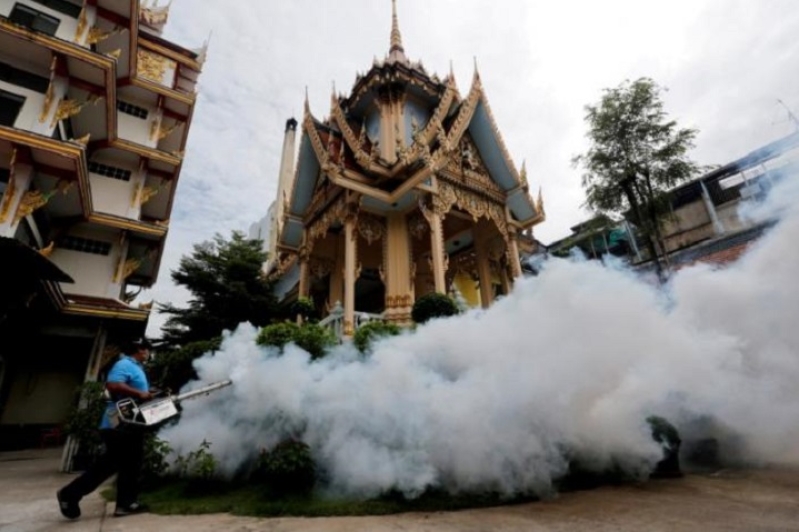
(396, 53)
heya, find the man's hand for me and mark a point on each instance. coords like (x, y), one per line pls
(145, 396)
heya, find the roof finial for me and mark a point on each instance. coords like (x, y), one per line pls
(396, 52)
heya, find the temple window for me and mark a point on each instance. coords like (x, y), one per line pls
(109, 171)
(10, 105)
(20, 78)
(133, 110)
(62, 6)
(34, 19)
(85, 245)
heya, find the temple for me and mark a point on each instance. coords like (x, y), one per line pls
(95, 110)
(404, 189)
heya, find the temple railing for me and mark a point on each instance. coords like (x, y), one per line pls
(335, 320)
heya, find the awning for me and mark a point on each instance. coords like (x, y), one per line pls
(19, 262)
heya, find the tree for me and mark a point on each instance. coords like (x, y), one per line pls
(227, 287)
(636, 156)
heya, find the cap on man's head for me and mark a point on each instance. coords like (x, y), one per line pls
(141, 343)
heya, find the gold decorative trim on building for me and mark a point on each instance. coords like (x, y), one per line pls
(96, 35)
(11, 188)
(68, 108)
(371, 228)
(83, 141)
(158, 132)
(49, 96)
(131, 265)
(477, 206)
(154, 15)
(83, 21)
(47, 251)
(114, 54)
(152, 66)
(30, 202)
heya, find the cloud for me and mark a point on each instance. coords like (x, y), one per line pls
(725, 63)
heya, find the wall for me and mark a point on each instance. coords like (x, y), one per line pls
(93, 274)
(136, 129)
(68, 26)
(28, 118)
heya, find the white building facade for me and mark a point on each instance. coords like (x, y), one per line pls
(95, 110)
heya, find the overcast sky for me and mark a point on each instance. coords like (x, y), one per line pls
(725, 64)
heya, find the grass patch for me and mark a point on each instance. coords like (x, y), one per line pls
(183, 498)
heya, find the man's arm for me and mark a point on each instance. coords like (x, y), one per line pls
(122, 389)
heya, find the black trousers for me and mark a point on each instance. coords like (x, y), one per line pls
(124, 451)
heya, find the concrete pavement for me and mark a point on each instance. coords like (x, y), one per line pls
(762, 500)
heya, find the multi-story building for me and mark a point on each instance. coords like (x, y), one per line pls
(95, 110)
(705, 222)
(406, 188)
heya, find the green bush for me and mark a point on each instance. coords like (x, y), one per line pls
(310, 336)
(304, 306)
(433, 305)
(371, 331)
(154, 464)
(199, 464)
(84, 421)
(171, 370)
(289, 467)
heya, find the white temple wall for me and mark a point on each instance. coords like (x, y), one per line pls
(137, 129)
(67, 26)
(29, 114)
(93, 274)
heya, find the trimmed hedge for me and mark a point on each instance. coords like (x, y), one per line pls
(310, 336)
(369, 332)
(433, 305)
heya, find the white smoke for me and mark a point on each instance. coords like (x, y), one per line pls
(571, 363)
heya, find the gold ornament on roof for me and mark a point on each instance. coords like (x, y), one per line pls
(47, 251)
(130, 266)
(96, 35)
(152, 66)
(154, 15)
(83, 20)
(49, 97)
(11, 188)
(162, 132)
(83, 141)
(30, 202)
(147, 193)
(68, 108)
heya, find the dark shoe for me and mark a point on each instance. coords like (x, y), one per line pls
(135, 508)
(69, 507)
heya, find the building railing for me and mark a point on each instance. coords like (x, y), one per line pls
(335, 320)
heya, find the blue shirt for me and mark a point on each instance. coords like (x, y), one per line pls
(128, 371)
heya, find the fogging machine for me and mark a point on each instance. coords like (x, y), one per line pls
(157, 411)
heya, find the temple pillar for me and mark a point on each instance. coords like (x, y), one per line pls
(303, 259)
(437, 251)
(483, 270)
(350, 259)
(11, 201)
(399, 298)
(336, 293)
(513, 255)
(507, 286)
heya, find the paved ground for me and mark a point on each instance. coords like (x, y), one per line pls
(726, 501)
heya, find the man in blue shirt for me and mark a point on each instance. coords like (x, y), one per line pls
(124, 446)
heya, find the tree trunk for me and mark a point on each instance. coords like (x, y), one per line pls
(654, 217)
(627, 185)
